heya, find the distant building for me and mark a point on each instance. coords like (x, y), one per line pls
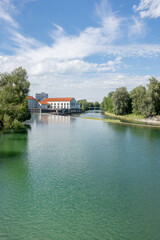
(43, 105)
(41, 96)
(31, 102)
(59, 103)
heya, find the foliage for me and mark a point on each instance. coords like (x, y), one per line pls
(14, 88)
(107, 103)
(153, 95)
(146, 101)
(121, 101)
(141, 100)
(96, 104)
(86, 105)
(138, 96)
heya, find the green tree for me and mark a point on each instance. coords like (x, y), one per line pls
(84, 104)
(96, 104)
(154, 94)
(121, 101)
(151, 101)
(107, 103)
(14, 88)
(90, 104)
(138, 96)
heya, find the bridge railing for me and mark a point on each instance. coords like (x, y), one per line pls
(94, 108)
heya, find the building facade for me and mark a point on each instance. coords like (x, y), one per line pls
(59, 103)
(41, 96)
(31, 102)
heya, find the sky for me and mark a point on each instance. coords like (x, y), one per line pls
(81, 48)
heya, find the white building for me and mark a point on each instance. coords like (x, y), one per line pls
(59, 103)
(31, 102)
(41, 96)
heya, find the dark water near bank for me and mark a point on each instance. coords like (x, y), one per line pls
(72, 178)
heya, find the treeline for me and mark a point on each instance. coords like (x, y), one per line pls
(141, 100)
(86, 105)
(14, 88)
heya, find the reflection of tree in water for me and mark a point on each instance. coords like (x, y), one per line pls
(13, 144)
(150, 133)
(14, 182)
(13, 156)
(119, 127)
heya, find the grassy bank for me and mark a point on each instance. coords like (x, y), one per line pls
(129, 117)
(136, 118)
(127, 120)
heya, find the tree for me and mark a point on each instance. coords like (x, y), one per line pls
(90, 104)
(154, 94)
(84, 104)
(149, 102)
(96, 104)
(121, 101)
(138, 96)
(14, 88)
(107, 103)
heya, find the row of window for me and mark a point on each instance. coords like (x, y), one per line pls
(60, 104)
(51, 106)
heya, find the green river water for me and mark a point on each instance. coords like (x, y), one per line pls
(72, 178)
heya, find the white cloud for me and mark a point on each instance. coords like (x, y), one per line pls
(23, 43)
(108, 19)
(5, 8)
(148, 8)
(136, 29)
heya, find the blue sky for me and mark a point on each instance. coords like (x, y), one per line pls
(80, 48)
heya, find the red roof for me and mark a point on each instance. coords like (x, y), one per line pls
(43, 102)
(30, 98)
(57, 99)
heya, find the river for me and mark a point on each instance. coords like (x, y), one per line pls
(73, 178)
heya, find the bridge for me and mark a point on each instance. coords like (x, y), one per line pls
(94, 108)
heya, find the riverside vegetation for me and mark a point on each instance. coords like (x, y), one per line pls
(85, 105)
(14, 88)
(141, 101)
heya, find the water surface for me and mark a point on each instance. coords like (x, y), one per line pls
(73, 178)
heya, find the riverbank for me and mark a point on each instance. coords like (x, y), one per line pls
(123, 123)
(133, 120)
(136, 118)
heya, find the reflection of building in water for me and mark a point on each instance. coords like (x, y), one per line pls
(48, 118)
